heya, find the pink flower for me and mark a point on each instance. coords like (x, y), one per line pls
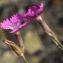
(15, 23)
(34, 10)
(19, 21)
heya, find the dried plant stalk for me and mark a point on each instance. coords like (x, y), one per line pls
(14, 47)
(19, 51)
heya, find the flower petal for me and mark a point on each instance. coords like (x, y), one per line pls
(5, 24)
(35, 10)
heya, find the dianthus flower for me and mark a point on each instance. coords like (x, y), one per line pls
(15, 23)
(18, 21)
(34, 10)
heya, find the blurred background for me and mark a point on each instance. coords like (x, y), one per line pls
(39, 47)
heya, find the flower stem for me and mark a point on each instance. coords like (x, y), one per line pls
(19, 39)
(24, 58)
(21, 44)
(49, 32)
